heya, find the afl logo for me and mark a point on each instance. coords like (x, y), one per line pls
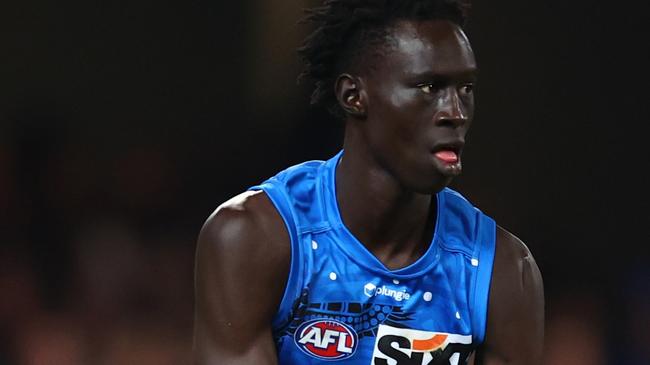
(326, 339)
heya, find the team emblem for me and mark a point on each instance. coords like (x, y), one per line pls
(326, 339)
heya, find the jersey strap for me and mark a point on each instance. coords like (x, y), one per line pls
(484, 254)
(468, 231)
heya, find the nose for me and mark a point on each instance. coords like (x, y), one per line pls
(451, 112)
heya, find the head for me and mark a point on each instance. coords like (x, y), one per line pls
(400, 73)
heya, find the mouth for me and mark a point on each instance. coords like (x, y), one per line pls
(448, 153)
(447, 156)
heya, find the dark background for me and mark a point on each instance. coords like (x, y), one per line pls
(124, 124)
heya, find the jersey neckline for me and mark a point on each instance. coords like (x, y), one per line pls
(356, 250)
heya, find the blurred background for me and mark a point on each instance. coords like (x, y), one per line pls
(123, 125)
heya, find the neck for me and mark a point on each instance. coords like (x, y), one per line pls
(394, 223)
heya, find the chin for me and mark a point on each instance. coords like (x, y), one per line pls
(432, 186)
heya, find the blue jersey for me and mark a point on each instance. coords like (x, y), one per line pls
(341, 305)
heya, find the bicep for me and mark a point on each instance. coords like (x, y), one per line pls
(515, 324)
(236, 292)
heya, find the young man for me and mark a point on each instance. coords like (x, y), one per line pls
(368, 258)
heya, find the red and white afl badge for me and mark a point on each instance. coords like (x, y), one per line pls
(326, 339)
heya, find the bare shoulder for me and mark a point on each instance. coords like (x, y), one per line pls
(246, 216)
(511, 249)
(515, 272)
(246, 239)
(242, 263)
(515, 323)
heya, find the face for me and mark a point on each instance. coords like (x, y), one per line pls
(419, 103)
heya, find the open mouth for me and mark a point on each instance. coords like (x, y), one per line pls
(447, 156)
(448, 153)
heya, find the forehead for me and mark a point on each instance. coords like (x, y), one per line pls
(433, 46)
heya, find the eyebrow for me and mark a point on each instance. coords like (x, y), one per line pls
(447, 77)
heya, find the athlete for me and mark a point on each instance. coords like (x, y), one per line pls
(368, 257)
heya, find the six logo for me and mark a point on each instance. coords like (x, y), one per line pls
(402, 346)
(326, 339)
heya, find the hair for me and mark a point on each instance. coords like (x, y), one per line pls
(346, 30)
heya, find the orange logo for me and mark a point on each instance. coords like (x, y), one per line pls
(404, 346)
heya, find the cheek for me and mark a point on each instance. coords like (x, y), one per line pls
(402, 99)
(397, 117)
(403, 107)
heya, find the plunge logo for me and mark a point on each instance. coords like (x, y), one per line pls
(371, 290)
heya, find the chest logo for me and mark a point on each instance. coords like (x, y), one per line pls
(403, 346)
(326, 339)
(371, 290)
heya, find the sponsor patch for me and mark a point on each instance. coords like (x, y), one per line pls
(326, 339)
(403, 346)
(371, 290)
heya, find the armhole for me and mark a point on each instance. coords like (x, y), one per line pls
(293, 286)
(483, 260)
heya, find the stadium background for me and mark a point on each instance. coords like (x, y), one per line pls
(124, 124)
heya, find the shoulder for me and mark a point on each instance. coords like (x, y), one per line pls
(515, 271)
(509, 248)
(247, 215)
(515, 325)
(246, 232)
(242, 262)
(248, 221)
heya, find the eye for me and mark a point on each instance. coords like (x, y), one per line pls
(466, 89)
(428, 88)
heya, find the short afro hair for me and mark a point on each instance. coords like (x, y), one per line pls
(346, 29)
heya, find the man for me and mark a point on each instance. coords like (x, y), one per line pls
(368, 258)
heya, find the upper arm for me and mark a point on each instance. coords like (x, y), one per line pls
(515, 322)
(242, 262)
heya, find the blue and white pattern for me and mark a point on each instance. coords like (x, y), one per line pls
(342, 305)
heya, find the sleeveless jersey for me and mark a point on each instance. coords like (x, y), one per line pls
(341, 305)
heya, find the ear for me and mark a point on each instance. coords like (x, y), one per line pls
(351, 95)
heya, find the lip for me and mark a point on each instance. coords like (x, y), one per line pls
(455, 146)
